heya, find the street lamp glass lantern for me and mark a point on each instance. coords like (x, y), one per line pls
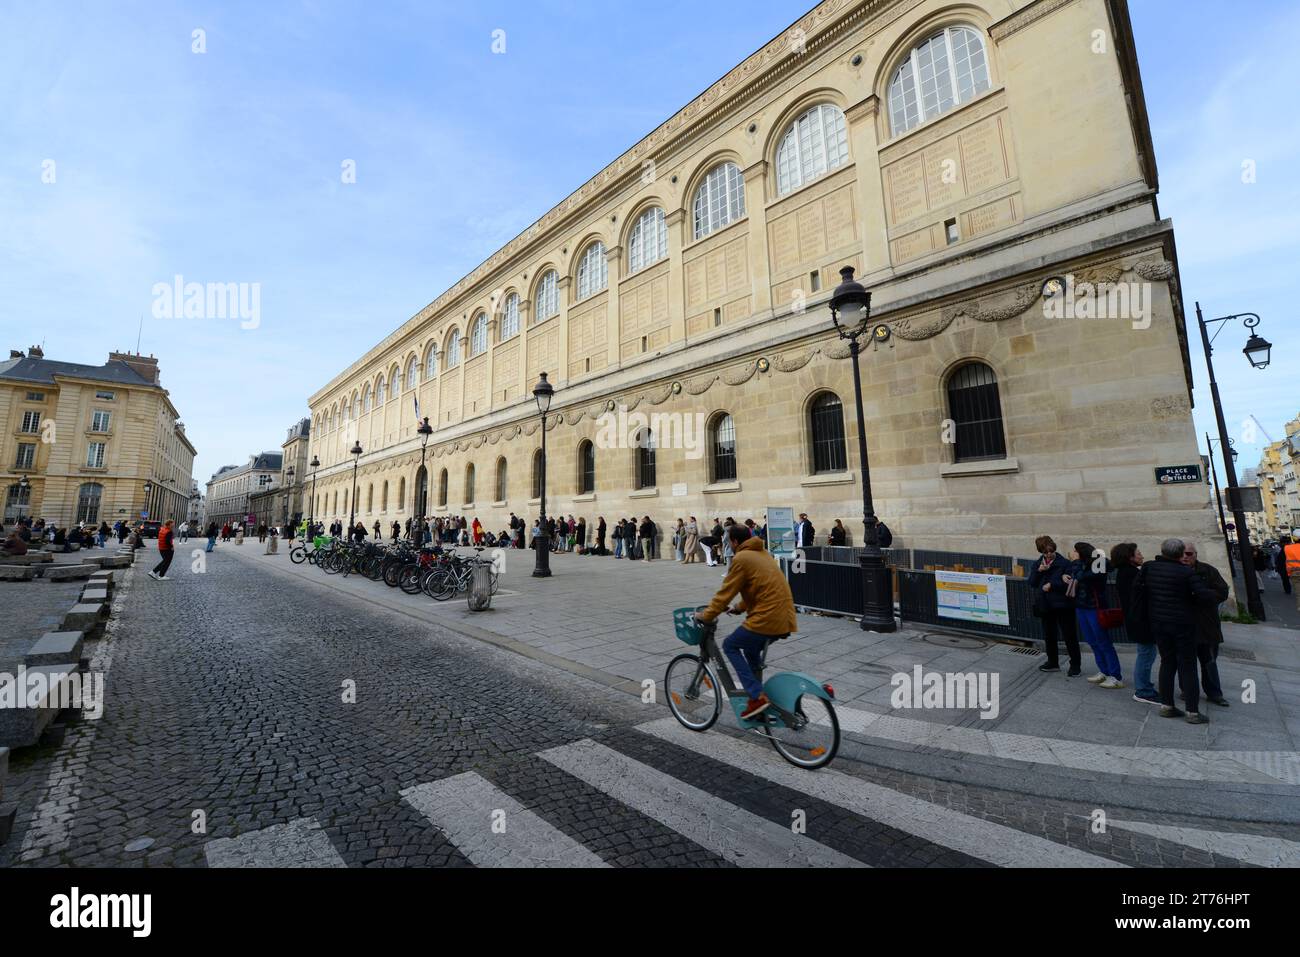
(543, 393)
(425, 430)
(851, 303)
(1258, 350)
(315, 462)
(356, 449)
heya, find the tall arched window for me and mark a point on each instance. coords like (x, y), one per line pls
(537, 473)
(442, 487)
(547, 301)
(453, 348)
(384, 500)
(422, 491)
(720, 200)
(345, 500)
(394, 383)
(722, 449)
(945, 71)
(469, 484)
(478, 335)
(430, 361)
(501, 479)
(365, 399)
(336, 501)
(370, 497)
(510, 317)
(593, 271)
(88, 497)
(380, 386)
(412, 371)
(815, 144)
(826, 426)
(976, 408)
(648, 241)
(18, 502)
(645, 459)
(586, 468)
(401, 495)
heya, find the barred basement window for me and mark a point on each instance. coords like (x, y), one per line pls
(976, 408)
(722, 449)
(826, 418)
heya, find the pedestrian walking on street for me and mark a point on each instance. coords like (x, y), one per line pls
(1088, 575)
(1209, 628)
(1054, 607)
(212, 536)
(679, 540)
(647, 535)
(272, 538)
(692, 541)
(804, 532)
(1127, 560)
(1166, 596)
(165, 551)
(839, 535)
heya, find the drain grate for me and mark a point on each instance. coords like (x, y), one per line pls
(1241, 654)
(1025, 650)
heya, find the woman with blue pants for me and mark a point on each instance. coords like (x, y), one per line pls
(1088, 574)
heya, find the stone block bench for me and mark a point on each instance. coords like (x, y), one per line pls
(22, 727)
(31, 558)
(55, 648)
(86, 617)
(17, 573)
(68, 573)
(94, 595)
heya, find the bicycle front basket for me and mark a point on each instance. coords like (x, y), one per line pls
(684, 623)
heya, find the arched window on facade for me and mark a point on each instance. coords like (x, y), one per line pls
(586, 467)
(509, 317)
(547, 301)
(401, 494)
(478, 337)
(537, 473)
(370, 497)
(975, 408)
(18, 503)
(937, 75)
(380, 389)
(645, 459)
(394, 383)
(593, 271)
(648, 241)
(453, 348)
(720, 199)
(501, 479)
(422, 491)
(365, 399)
(722, 449)
(826, 428)
(383, 506)
(442, 488)
(412, 372)
(469, 484)
(88, 498)
(816, 143)
(430, 362)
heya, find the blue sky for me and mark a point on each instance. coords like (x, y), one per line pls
(225, 167)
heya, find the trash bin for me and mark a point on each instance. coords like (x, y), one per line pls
(480, 588)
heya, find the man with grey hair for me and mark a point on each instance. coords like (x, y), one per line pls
(1209, 630)
(1166, 597)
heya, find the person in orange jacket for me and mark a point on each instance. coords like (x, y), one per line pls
(166, 550)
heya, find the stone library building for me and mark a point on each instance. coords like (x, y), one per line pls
(986, 168)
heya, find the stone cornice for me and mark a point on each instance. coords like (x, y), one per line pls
(1023, 18)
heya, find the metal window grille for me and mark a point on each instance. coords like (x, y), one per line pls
(587, 478)
(724, 450)
(828, 450)
(645, 456)
(976, 410)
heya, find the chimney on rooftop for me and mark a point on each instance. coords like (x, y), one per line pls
(15, 354)
(35, 352)
(146, 366)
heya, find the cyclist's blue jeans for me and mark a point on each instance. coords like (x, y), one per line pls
(744, 649)
(1103, 649)
(1142, 683)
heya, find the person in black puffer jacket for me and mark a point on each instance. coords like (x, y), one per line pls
(1166, 597)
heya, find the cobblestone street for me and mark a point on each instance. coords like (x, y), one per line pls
(227, 705)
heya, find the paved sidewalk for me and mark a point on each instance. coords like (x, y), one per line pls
(610, 619)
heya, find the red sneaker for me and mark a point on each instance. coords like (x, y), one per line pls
(756, 707)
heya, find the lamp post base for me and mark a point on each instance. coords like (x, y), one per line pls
(543, 567)
(877, 593)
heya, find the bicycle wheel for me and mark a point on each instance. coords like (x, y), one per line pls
(409, 579)
(496, 582)
(443, 585)
(298, 555)
(332, 563)
(392, 573)
(693, 692)
(812, 739)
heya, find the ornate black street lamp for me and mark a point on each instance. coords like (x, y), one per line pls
(851, 313)
(148, 488)
(543, 393)
(425, 431)
(1223, 522)
(1258, 351)
(311, 508)
(288, 493)
(356, 460)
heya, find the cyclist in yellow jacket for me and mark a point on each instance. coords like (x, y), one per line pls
(766, 602)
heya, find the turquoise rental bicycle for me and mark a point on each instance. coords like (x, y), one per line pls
(800, 723)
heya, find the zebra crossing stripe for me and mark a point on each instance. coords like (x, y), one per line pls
(299, 843)
(491, 828)
(729, 831)
(985, 840)
(1258, 849)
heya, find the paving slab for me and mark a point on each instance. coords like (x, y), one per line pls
(56, 648)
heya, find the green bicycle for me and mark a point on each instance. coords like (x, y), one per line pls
(800, 723)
